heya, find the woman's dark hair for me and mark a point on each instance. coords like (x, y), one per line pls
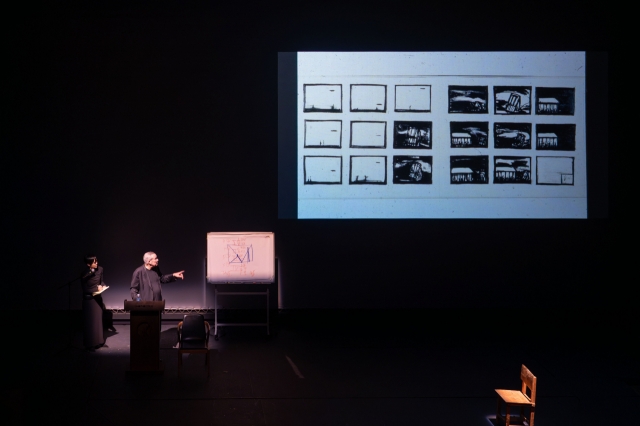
(89, 259)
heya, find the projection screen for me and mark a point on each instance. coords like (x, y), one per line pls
(441, 135)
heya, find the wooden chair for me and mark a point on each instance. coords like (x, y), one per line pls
(193, 337)
(514, 398)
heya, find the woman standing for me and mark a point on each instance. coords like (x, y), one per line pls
(92, 306)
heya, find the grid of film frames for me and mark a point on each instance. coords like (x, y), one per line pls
(520, 121)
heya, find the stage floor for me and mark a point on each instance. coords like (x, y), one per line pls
(331, 368)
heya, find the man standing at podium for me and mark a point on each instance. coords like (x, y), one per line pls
(147, 279)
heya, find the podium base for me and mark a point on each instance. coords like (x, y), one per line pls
(159, 371)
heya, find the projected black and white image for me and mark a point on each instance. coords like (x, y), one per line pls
(511, 169)
(469, 134)
(413, 98)
(368, 98)
(368, 170)
(555, 100)
(438, 135)
(556, 137)
(322, 170)
(368, 134)
(469, 169)
(322, 98)
(468, 99)
(512, 135)
(409, 169)
(322, 133)
(554, 170)
(412, 134)
(512, 100)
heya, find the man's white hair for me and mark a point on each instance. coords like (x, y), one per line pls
(148, 256)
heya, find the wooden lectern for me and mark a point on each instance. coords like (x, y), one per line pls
(145, 336)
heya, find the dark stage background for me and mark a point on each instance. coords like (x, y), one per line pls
(134, 127)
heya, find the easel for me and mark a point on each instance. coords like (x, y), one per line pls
(233, 263)
(217, 292)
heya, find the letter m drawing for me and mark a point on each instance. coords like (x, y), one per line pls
(239, 254)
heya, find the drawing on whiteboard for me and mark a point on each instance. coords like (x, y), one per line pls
(412, 169)
(554, 170)
(512, 135)
(322, 98)
(368, 98)
(512, 169)
(512, 99)
(469, 134)
(555, 100)
(556, 137)
(412, 134)
(322, 133)
(239, 254)
(413, 98)
(469, 169)
(370, 170)
(235, 257)
(468, 99)
(368, 134)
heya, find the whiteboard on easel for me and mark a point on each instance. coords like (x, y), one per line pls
(240, 257)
